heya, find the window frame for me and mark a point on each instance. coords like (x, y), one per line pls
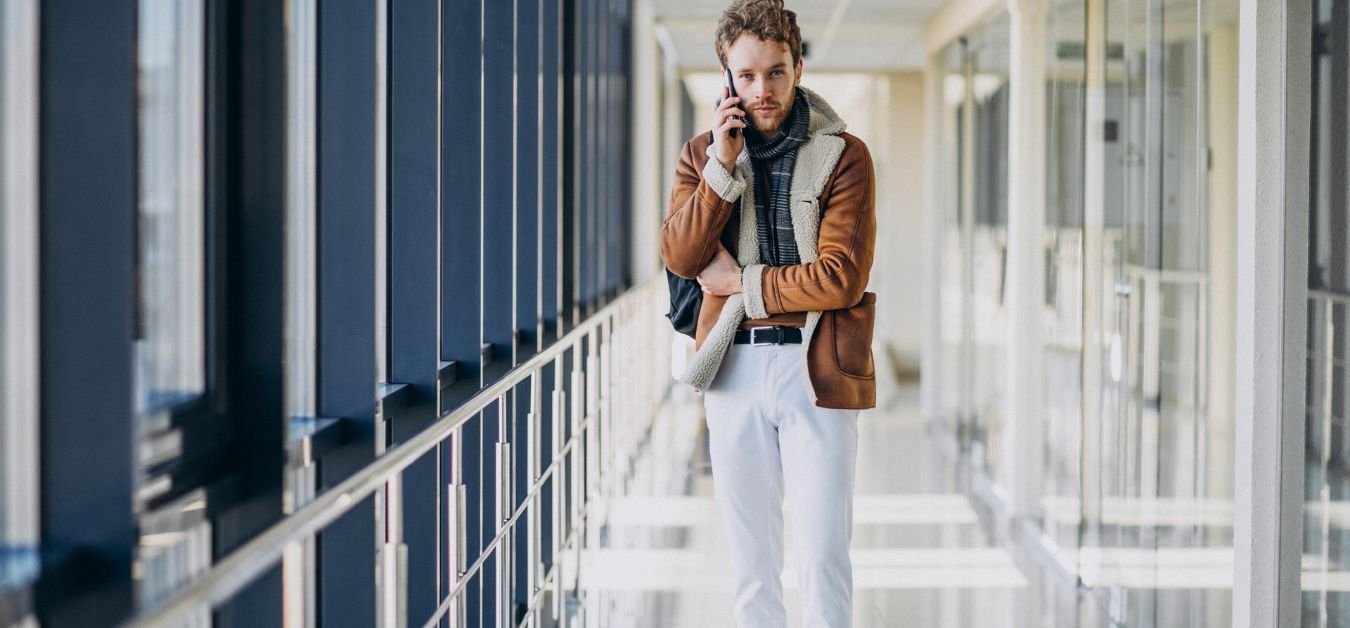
(19, 511)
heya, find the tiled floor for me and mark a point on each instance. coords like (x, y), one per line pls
(920, 556)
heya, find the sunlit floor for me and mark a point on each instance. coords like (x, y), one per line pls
(920, 555)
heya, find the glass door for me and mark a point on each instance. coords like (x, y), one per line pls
(1326, 518)
(1157, 518)
(974, 192)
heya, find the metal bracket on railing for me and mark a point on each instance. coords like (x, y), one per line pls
(312, 437)
(504, 505)
(393, 577)
(393, 400)
(447, 373)
(457, 501)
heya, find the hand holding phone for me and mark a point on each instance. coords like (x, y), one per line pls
(727, 123)
(731, 93)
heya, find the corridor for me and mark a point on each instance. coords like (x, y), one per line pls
(330, 313)
(920, 556)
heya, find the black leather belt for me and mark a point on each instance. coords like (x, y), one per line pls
(769, 336)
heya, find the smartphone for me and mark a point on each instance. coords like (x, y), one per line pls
(731, 93)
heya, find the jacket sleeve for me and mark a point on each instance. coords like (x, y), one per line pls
(701, 203)
(847, 240)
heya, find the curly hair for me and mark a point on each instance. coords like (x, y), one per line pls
(766, 19)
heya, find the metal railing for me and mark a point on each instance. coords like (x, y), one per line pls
(619, 378)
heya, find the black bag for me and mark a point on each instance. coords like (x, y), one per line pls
(686, 297)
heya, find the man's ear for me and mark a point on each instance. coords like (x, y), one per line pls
(799, 73)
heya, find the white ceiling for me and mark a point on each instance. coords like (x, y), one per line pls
(843, 35)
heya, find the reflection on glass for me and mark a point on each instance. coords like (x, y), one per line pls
(300, 209)
(174, 543)
(956, 398)
(986, 189)
(975, 202)
(170, 238)
(1326, 518)
(18, 289)
(299, 561)
(1062, 335)
(1138, 329)
(1161, 224)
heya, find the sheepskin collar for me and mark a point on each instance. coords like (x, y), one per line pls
(824, 121)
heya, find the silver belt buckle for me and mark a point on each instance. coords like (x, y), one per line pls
(754, 342)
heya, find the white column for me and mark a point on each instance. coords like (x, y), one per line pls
(1223, 188)
(1094, 299)
(1025, 283)
(1272, 225)
(932, 374)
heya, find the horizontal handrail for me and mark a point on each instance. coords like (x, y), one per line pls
(1328, 296)
(250, 561)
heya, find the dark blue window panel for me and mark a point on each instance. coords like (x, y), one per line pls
(499, 208)
(528, 208)
(462, 154)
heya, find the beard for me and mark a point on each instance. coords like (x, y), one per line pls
(769, 124)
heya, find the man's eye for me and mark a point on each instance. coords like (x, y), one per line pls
(777, 72)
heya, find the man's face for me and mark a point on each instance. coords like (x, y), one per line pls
(765, 79)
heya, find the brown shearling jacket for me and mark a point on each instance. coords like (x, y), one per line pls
(839, 358)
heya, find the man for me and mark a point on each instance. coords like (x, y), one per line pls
(778, 225)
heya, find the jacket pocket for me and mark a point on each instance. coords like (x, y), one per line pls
(853, 337)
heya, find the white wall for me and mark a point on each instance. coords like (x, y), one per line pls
(898, 153)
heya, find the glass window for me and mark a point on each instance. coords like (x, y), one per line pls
(1062, 340)
(1326, 529)
(18, 289)
(955, 396)
(986, 199)
(170, 339)
(975, 202)
(170, 332)
(301, 253)
(301, 222)
(1159, 297)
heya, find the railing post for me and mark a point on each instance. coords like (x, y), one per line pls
(559, 477)
(578, 450)
(457, 502)
(393, 563)
(503, 513)
(592, 415)
(533, 529)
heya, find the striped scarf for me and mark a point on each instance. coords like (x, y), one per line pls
(773, 162)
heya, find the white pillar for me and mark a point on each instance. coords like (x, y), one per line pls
(933, 371)
(1274, 70)
(1025, 283)
(1094, 296)
(1223, 188)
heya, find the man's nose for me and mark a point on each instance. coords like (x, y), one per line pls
(761, 89)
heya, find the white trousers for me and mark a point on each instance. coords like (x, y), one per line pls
(767, 438)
